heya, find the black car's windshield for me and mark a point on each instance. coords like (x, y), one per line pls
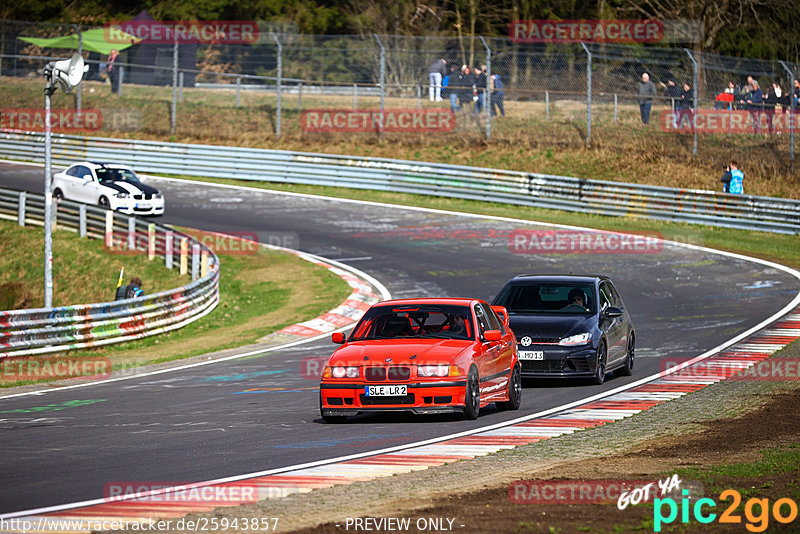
(551, 298)
(415, 321)
(104, 174)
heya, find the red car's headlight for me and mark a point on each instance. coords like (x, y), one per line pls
(433, 370)
(341, 372)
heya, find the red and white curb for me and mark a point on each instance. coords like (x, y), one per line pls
(147, 508)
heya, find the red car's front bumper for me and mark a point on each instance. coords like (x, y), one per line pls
(350, 398)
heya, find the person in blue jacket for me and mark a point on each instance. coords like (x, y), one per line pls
(755, 103)
(732, 179)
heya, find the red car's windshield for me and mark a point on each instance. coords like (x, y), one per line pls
(415, 321)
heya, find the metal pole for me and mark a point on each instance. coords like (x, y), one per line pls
(615, 108)
(180, 86)
(280, 73)
(299, 96)
(48, 201)
(21, 208)
(487, 94)
(355, 96)
(238, 90)
(121, 79)
(174, 115)
(792, 125)
(547, 105)
(383, 85)
(419, 97)
(588, 94)
(82, 220)
(696, 98)
(79, 96)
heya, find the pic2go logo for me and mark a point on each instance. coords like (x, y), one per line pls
(756, 511)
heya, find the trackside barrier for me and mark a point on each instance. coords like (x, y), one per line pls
(511, 187)
(40, 331)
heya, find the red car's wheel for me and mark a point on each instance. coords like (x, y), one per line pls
(514, 391)
(472, 398)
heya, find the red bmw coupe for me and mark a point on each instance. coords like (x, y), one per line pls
(423, 356)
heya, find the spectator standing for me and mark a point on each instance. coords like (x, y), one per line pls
(112, 70)
(480, 87)
(457, 88)
(673, 93)
(725, 99)
(755, 103)
(686, 106)
(796, 93)
(645, 94)
(435, 74)
(770, 101)
(736, 186)
(496, 94)
(132, 290)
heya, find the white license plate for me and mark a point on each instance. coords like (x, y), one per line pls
(144, 205)
(386, 391)
(531, 355)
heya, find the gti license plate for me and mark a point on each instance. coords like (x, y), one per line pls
(531, 355)
(386, 391)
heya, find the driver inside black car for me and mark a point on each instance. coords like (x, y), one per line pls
(577, 301)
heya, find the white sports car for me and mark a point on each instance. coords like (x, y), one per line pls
(109, 186)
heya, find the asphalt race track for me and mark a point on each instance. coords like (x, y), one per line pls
(261, 413)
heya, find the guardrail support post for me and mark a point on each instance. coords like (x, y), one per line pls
(588, 94)
(195, 261)
(547, 105)
(82, 220)
(109, 229)
(131, 233)
(151, 241)
(203, 264)
(21, 209)
(238, 90)
(184, 256)
(168, 248)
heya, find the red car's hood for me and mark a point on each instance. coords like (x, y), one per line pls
(400, 351)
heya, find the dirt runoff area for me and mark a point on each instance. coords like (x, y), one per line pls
(727, 453)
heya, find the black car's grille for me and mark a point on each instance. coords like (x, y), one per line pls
(372, 401)
(399, 373)
(555, 366)
(375, 374)
(535, 340)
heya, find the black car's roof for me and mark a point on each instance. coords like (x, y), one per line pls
(559, 278)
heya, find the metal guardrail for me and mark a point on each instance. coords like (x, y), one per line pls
(511, 187)
(40, 331)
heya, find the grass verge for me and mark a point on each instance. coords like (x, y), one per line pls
(259, 293)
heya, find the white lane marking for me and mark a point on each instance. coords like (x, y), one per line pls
(789, 307)
(361, 258)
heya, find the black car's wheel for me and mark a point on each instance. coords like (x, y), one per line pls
(103, 203)
(58, 194)
(627, 369)
(472, 398)
(600, 367)
(514, 391)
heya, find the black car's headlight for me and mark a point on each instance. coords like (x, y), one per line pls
(577, 339)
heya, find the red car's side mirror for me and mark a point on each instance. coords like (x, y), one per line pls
(492, 335)
(337, 337)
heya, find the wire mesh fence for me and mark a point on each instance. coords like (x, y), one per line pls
(390, 87)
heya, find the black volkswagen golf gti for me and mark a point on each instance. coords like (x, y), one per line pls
(569, 326)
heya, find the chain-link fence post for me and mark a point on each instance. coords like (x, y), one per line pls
(791, 112)
(278, 88)
(174, 114)
(588, 94)
(383, 85)
(696, 90)
(487, 105)
(79, 96)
